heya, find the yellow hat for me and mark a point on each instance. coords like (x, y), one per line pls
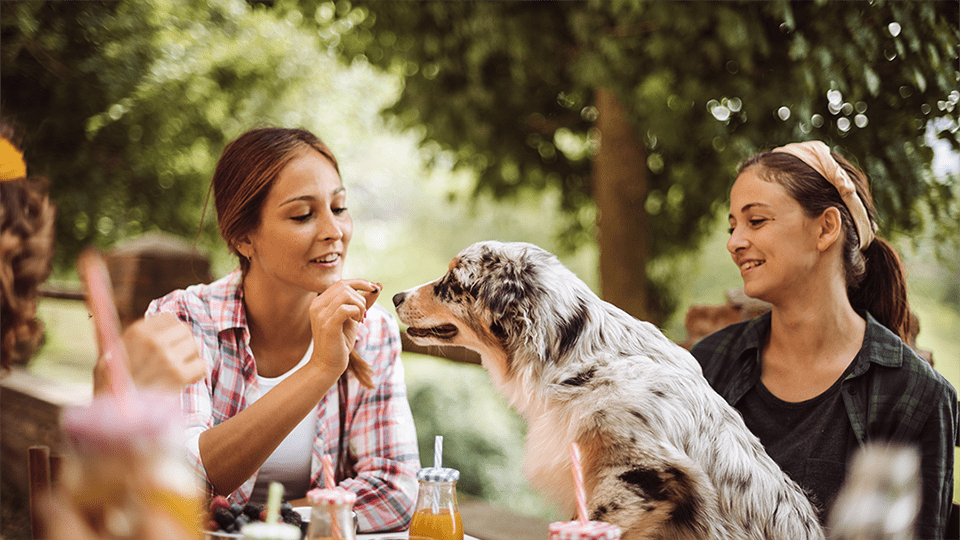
(12, 166)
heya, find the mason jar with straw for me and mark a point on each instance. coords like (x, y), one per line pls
(437, 516)
(126, 475)
(331, 515)
(582, 528)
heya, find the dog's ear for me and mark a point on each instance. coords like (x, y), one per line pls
(507, 295)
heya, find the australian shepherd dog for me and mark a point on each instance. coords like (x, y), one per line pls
(663, 455)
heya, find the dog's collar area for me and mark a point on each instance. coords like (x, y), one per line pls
(444, 331)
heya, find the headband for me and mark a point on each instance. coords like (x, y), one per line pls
(817, 156)
(12, 166)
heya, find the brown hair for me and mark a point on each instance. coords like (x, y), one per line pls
(247, 170)
(875, 276)
(26, 254)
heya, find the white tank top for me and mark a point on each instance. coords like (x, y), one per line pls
(289, 464)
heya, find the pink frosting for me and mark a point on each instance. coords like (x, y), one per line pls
(331, 496)
(577, 530)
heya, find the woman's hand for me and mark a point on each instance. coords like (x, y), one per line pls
(335, 317)
(162, 354)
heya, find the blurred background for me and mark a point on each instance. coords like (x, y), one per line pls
(456, 122)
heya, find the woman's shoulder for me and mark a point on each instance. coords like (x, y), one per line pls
(900, 369)
(730, 341)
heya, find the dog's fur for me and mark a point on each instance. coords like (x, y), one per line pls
(664, 456)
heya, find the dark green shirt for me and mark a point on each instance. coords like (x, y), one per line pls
(889, 393)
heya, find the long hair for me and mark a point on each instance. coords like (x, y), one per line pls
(246, 171)
(875, 277)
(26, 255)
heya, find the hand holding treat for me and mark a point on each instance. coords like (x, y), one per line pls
(335, 317)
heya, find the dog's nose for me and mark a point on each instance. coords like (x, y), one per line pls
(398, 298)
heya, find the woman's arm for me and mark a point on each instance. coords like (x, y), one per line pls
(937, 446)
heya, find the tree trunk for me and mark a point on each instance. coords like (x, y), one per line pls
(620, 185)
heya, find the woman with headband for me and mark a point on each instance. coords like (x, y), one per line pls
(826, 370)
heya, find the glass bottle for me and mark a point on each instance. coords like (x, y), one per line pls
(880, 497)
(127, 476)
(437, 516)
(331, 517)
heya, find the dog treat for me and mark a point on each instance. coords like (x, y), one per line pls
(579, 530)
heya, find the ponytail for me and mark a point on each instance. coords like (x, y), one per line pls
(883, 288)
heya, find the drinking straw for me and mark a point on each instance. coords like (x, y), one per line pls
(328, 479)
(329, 483)
(578, 482)
(438, 451)
(96, 279)
(274, 495)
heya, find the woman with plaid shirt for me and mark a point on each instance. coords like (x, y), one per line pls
(827, 370)
(301, 362)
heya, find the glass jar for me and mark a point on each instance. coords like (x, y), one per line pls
(437, 516)
(127, 475)
(331, 514)
(259, 530)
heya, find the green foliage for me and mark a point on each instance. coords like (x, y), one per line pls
(508, 87)
(127, 105)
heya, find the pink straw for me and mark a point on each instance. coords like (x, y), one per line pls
(329, 483)
(94, 273)
(328, 480)
(578, 482)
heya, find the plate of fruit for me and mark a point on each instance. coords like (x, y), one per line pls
(224, 519)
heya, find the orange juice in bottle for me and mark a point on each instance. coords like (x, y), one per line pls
(437, 516)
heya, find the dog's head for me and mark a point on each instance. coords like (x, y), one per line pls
(511, 302)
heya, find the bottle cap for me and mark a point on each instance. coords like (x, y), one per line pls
(438, 474)
(331, 496)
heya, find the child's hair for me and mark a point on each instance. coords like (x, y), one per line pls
(26, 255)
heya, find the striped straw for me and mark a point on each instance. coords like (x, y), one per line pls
(328, 479)
(329, 482)
(96, 278)
(438, 451)
(578, 482)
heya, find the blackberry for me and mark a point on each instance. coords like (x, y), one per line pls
(223, 517)
(292, 517)
(253, 510)
(236, 509)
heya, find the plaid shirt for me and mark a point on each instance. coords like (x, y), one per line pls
(890, 394)
(381, 437)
